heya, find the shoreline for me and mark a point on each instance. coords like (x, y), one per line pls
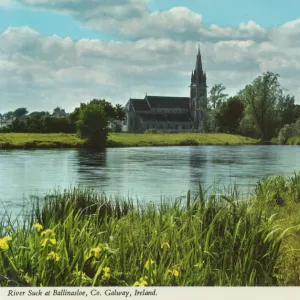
(10, 141)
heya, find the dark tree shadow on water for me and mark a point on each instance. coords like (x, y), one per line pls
(92, 165)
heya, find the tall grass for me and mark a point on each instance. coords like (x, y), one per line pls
(82, 238)
(280, 195)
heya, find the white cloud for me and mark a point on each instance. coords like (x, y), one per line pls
(43, 72)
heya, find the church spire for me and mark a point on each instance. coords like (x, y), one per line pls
(198, 68)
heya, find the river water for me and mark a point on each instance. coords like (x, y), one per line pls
(143, 173)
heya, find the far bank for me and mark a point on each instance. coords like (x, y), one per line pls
(62, 140)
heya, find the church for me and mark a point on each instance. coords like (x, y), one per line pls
(169, 114)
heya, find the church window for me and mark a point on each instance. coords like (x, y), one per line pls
(183, 126)
(161, 126)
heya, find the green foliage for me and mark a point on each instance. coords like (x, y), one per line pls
(20, 112)
(93, 123)
(288, 131)
(230, 114)
(209, 111)
(217, 96)
(79, 238)
(285, 132)
(261, 98)
(151, 131)
(39, 114)
(286, 108)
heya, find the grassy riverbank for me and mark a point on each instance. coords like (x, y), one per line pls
(82, 238)
(61, 140)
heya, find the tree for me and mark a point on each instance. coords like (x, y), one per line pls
(286, 109)
(217, 96)
(92, 123)
(230, 114)
(8, 115)
(20, 112)
(261, 98)
(215, 99)
(39, 114)
(119, 112)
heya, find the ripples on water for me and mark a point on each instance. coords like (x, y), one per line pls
(145, 173)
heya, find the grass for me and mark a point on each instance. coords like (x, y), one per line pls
(176, 139)
(61, 140)
(39, 140)
(80, 238)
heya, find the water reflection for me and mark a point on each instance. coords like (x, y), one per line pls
(147, 174)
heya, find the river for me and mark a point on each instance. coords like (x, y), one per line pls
(144, 173)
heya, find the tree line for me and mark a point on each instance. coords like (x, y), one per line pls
(91, 121)
(261, 110)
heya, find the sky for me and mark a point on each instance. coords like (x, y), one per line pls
(64, 52)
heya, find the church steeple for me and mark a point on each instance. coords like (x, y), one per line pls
(198, 91)
(199, 69)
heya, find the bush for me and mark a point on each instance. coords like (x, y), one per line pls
(152, 131)
(285, 132)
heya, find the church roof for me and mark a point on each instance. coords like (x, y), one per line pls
(140, 104)
(168, 102)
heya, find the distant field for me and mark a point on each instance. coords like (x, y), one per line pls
(62, 140)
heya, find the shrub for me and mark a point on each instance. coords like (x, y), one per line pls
(285, 132)
(152, 131)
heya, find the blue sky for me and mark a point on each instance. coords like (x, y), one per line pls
(60, 53)
(221, 12)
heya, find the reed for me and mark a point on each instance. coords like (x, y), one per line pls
(81, 238)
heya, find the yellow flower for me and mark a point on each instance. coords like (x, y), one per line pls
(38, 227)
(165, 245)
(7, 238)
(53, 256)
(141, 282)
(106, 276)
(149, 263)
(27, 278)
(95, 252)
(79, 274)
(3, 244)
(47, 232)
(45, 241)
(175, 273)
